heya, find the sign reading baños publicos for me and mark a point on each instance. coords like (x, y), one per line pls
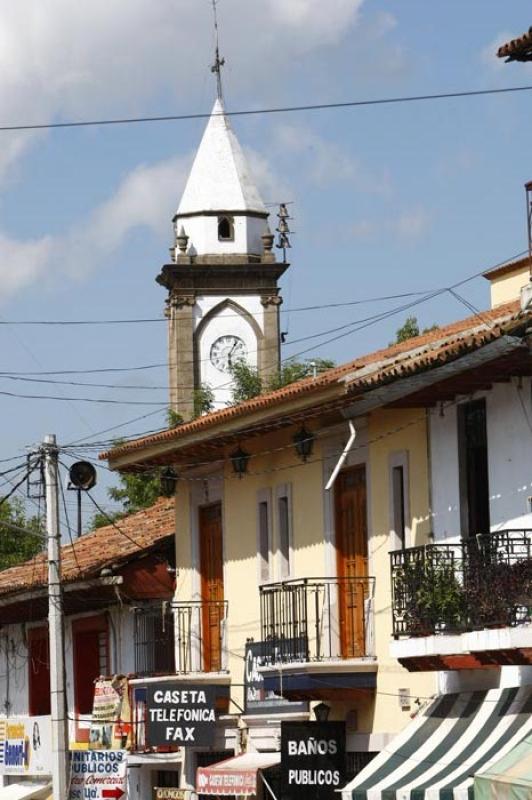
(182, 715)
(312, 759)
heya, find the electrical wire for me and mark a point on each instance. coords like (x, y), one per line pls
(225, 460)
(378, 317)
(320, 307)
(270, 110)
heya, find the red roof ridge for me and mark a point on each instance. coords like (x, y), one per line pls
(326, 379)
(133, 534)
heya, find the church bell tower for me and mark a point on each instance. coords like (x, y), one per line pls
(222, 282)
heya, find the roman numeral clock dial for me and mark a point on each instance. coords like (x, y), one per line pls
(227, 351)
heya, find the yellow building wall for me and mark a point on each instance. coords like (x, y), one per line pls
(379, 713)
(395, 431)
(240, 529)
(239, 510)
(508, 287)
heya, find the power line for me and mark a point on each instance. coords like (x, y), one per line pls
(161, 365)
(100, 400)
(269, 110)
(141, 320)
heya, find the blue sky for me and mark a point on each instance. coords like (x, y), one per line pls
(385, 199)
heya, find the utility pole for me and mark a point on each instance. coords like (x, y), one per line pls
(55, 622)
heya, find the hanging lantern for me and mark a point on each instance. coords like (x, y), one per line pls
(304, 443)
(169, 478)
(240, 459)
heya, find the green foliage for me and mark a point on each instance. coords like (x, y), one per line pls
(433, 598)
(292, 371)
(410, 329)
(136, 491)
(173, 418)
(17, 546)
(248, 382)
(203, 399)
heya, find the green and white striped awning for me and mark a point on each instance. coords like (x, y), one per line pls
(510, 778)
(438, 755)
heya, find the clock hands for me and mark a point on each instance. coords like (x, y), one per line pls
(230, 353)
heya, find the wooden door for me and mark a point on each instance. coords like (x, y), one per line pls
(212, 585)
(352, 558)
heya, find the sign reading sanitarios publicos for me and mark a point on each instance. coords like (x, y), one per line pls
(98, 775)
(181, 715)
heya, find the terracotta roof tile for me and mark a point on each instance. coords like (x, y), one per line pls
(519, 49)
(95, 550)
(504, 269)
(383, 361)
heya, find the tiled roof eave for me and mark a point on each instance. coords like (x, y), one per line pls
(381, 363)
(131, 538)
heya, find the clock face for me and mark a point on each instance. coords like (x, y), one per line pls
(226, 351)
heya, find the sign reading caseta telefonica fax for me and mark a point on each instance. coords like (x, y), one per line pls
(312, 759)
(180, 714)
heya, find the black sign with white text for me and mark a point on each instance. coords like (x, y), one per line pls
(180, 715)
(312, 759)
(256, 699)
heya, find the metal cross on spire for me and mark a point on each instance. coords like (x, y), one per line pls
(218, 62)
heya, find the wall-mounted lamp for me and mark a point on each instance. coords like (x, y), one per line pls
(321, 712)
(169, 478)
(304, 443)
(239, 460)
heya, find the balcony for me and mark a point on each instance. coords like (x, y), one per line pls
(317, 636)
(154, 640)
(464, 605)
(182, 638)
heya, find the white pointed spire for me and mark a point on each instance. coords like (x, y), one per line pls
(220, 179)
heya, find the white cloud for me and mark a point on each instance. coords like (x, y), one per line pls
(22, 262)
(146, 197)
(412, 224)
(325, 162)
(62, 59)
(314, 21)
(272, 186)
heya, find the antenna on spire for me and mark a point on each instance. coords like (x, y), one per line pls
(218, 62)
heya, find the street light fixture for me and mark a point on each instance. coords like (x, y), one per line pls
(304, 443)
(321, 712)
(169, 478)
(239, 459)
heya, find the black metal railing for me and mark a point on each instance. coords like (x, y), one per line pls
(478, 582)
(180, 637)
(154, 640)
(316, 619)
(200, 633)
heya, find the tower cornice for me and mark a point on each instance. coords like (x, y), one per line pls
(216, 278)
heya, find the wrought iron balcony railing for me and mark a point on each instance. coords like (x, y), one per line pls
(317, 619)
(154, 640)
(180, 637)
(200, 634)
(483, 581)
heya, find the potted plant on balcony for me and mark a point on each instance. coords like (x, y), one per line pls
(500, 592)
(431, 598)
